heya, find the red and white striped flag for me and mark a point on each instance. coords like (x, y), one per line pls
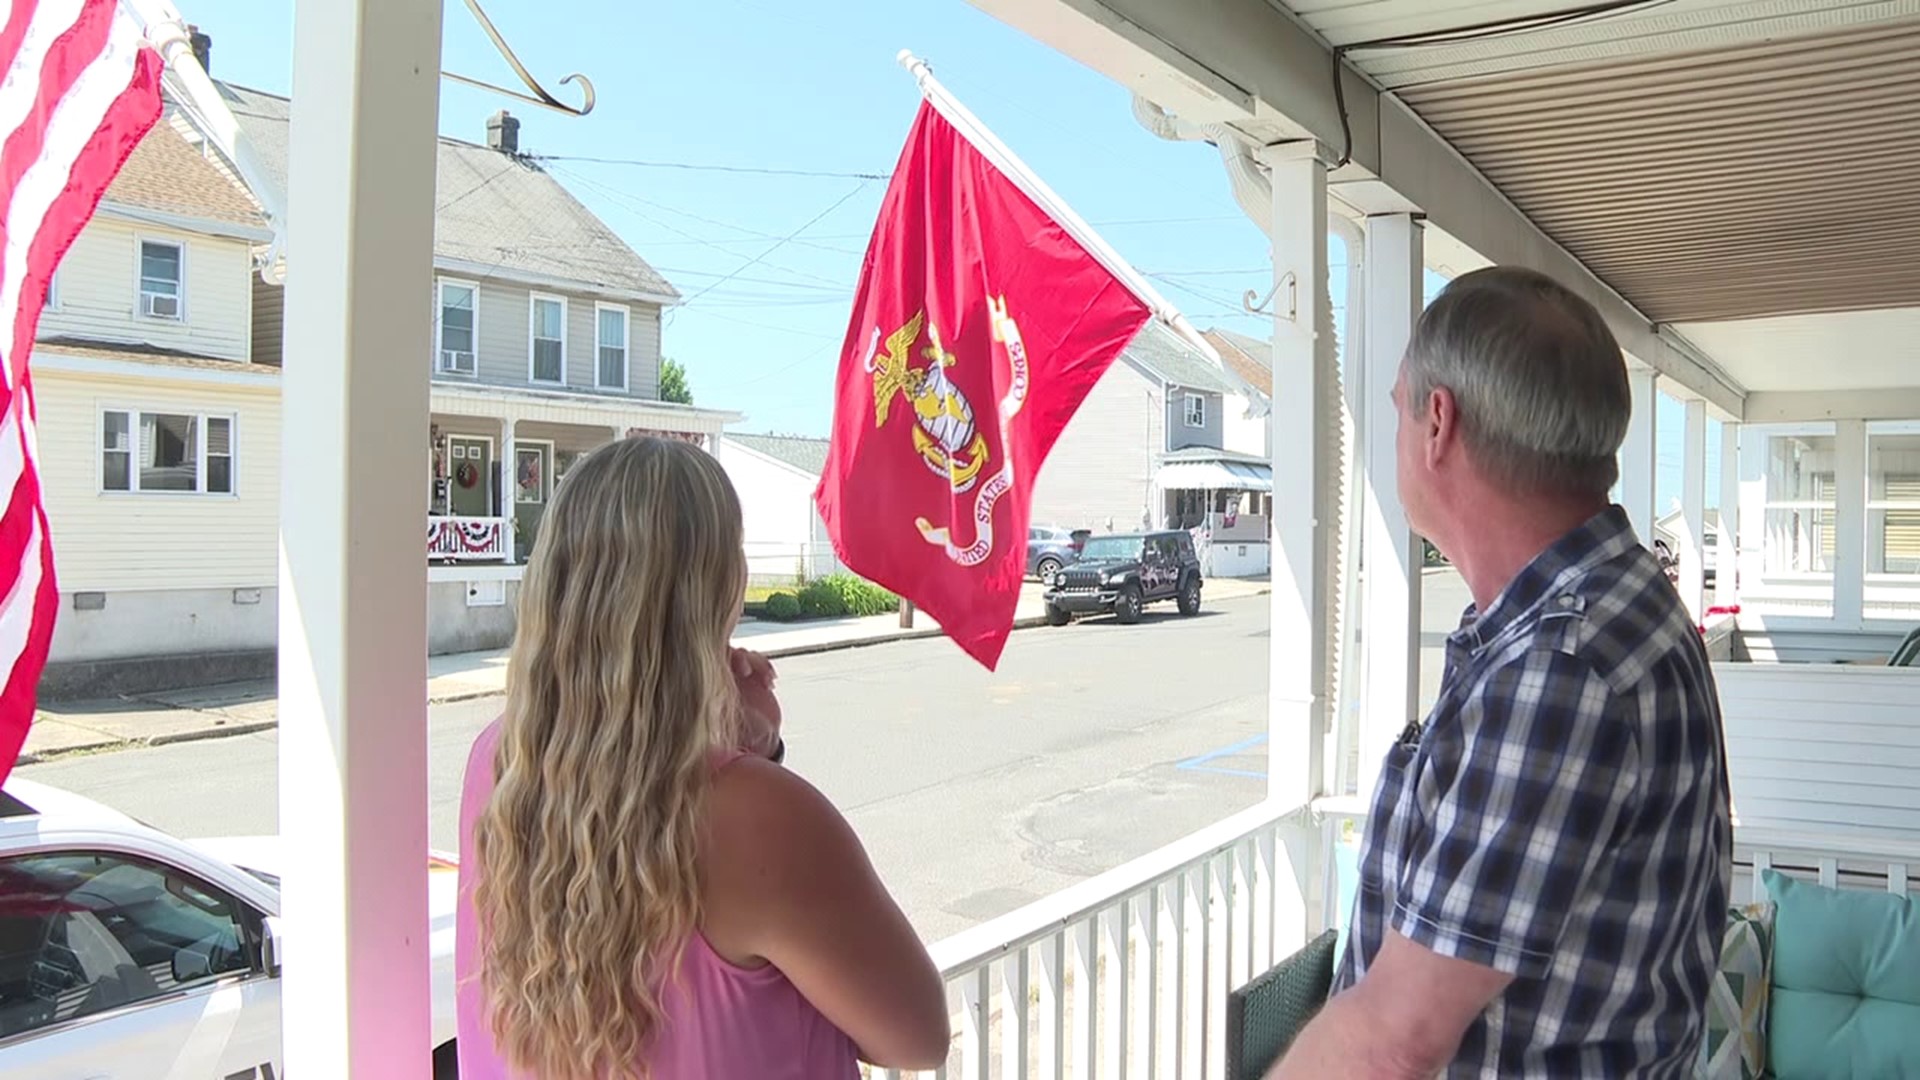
(82, 87)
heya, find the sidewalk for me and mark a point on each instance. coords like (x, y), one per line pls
(243, 708)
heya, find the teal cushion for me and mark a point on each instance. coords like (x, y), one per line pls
(1846, 982)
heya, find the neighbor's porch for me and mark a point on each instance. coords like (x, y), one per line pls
(1126, 973)
(496, 457)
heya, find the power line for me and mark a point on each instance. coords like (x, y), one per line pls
(691, 166)
(626, 201)
(812, 221)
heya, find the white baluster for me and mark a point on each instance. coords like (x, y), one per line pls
(1013, 1016)
(1053, 1006)
(1086, 1030)
(976, 991)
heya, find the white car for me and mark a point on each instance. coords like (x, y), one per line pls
(126, 954)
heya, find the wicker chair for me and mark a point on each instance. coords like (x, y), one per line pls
(1264, 1016)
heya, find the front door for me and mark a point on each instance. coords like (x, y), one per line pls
(469, 476)
(532, 485)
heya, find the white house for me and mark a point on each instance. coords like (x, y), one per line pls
(158, 372)
(775, 476)
(159, 434)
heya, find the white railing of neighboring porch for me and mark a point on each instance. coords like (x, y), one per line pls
(1126, 974)
(466, 539)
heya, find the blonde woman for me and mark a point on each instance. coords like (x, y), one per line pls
(643, 892)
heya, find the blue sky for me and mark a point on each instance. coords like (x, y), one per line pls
(768, 85)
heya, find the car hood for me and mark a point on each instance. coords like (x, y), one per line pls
(265, 857)
(1106, 565)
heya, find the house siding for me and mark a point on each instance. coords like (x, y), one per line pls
(1179, 435)
(179, 573)
(98, 294)
(269, 321)
(1100, 472)
(506, 319)
(116, 541)
(785, 537)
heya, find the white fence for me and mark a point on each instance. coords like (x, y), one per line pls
(779, 563)
(1127, 974)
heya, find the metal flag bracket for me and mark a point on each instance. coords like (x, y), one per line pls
(539, 96)
(1258, 305)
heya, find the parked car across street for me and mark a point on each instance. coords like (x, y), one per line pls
(1124, 573)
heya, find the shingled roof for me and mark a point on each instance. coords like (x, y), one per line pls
(165, 173)
(807, 455)
(1248, 357)
(497, 210)
(1173, 359)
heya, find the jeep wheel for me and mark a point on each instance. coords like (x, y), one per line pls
(1048, 567)
(1126, 606)
(1058, 616)
(1190, 596)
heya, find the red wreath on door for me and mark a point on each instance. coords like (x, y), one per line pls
(466, 474)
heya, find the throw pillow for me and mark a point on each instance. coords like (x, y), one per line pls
(1735, 1046)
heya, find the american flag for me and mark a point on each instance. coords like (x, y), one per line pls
(82, 88)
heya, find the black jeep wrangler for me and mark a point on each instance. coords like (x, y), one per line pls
(1125, 573)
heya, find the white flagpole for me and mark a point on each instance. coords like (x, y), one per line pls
(208, 112)
(1036, 189)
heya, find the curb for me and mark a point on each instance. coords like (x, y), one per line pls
(252, 727)
(105, 745)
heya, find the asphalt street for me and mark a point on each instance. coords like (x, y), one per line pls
(975, 792)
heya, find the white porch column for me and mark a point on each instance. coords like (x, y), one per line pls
(504, 478)
(1637, 454)
(1726, 575)
(1693, 511)
(1390, 609)
(1303, 420)
(353, 599)
(1850, 524)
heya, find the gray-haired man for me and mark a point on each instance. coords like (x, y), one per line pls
(1543, 882)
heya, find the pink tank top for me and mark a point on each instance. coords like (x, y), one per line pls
(720, 1020)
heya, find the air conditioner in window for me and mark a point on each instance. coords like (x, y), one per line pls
(456, 360)
(160, 307)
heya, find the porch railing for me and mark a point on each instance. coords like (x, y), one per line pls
(1126, 974)
(466, 539)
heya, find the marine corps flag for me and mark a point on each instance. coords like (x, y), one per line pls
(979, 326)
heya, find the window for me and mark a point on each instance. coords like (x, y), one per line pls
(1893, 501)
(1800, 508)
(549, 351)
(1196, 411)
(611, 342)
(459, 328)
(160, 279)
(81, 933)
(166, 452)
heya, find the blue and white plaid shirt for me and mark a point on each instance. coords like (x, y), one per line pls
(1563, 817)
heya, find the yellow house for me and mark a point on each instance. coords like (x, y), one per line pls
(159, 437)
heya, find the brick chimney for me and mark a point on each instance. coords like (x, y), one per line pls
(202, 45)
(503, 132)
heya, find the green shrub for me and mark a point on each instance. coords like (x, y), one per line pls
(818, 600)
(783, 607)
(858, 595)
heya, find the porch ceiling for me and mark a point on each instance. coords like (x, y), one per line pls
(1688, 165)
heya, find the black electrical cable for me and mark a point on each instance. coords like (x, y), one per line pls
(1461, 35)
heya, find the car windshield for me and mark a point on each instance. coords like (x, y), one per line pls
(1111, 547)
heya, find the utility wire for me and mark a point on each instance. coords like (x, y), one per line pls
(691, 166)
(778, 244)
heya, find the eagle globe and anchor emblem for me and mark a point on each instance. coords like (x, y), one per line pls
(945, 432)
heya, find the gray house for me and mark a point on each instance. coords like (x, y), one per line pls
(1147, 443)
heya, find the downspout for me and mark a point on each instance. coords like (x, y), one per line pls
(1253, 191)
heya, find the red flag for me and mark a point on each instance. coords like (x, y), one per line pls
(979, 327)
(81, 89)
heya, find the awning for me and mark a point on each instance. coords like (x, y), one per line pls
(1213, 476)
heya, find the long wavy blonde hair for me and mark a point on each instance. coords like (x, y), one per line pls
(618, 690)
